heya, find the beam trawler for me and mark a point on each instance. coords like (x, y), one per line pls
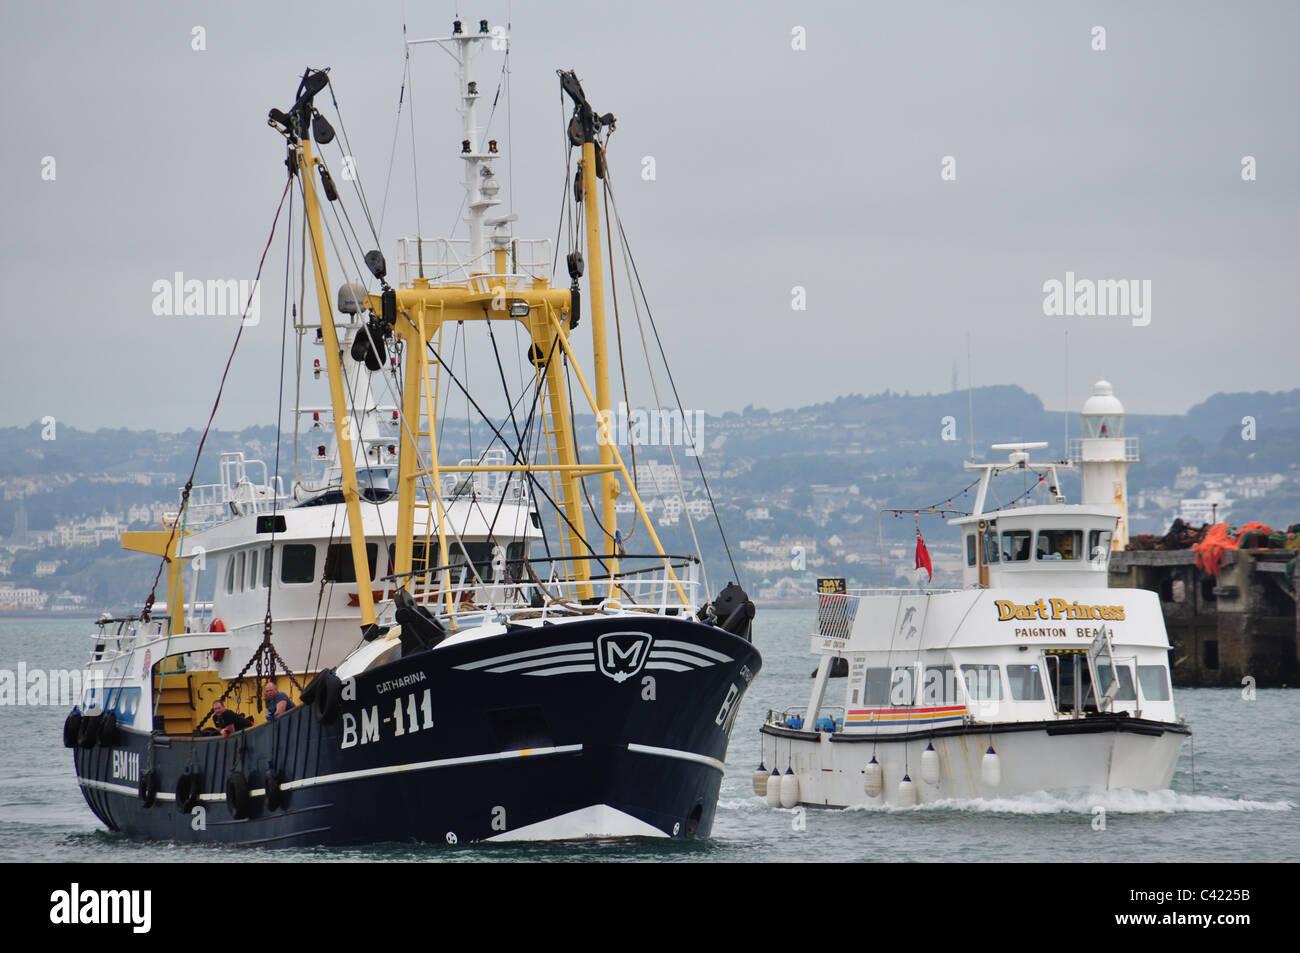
(450, 652)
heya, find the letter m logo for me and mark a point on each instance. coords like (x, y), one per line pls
(622, 654)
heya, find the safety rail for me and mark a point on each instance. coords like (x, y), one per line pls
(487, 485)
(237, 494)
(796, 715)
(448, 260)
(515, 587)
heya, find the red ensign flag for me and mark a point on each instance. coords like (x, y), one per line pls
(923, 557)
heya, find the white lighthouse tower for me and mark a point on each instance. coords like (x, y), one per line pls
(1103, 455)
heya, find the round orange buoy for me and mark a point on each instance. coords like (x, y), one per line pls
(217, 626)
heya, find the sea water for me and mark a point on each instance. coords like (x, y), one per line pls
(1233, 796)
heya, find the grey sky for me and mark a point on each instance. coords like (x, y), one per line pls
(775, 168)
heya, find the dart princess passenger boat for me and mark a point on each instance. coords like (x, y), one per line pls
(470, 653)
(1033, 676)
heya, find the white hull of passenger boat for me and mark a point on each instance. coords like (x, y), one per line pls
(831, 771)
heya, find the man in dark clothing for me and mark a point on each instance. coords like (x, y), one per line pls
(277, 702)
(229, 720)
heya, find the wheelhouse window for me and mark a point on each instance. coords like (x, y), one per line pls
(990, 545)
(1058, 544)
(479, 555)
(266, 568)
(1154, 680)
(230, 574)
(339, 566)
(252, 569)
(297, 563)
(1099, 542)
(1124, 675)
(1015, 546)
(1026, 683)
(239, 570)
(970, 549)
(983, 682)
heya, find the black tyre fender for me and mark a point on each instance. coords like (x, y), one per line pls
(72, 729)
(237, 797)
(309, 693)
(327, 700)
(274, 794)
(148, 788)
(107, 729)
(187, 792)
(88, 731)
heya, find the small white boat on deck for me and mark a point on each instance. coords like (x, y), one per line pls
(1036, 675)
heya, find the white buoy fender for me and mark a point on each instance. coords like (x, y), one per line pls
(760, 781)
(907, 792)
(773, 792)
(991, 769)
(789, 789)
(930, 765)
(873, 778)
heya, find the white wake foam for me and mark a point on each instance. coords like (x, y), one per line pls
(1085, 801)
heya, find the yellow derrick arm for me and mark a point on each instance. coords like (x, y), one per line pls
(342, 419)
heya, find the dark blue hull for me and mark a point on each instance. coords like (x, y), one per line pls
(527, 735)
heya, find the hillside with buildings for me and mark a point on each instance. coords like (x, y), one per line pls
(801, 492)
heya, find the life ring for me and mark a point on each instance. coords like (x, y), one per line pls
(217, 626)
(274, 794)
(187, 792)
(148, 788)
(237, 798)
(88, 731)
(327, 699)
(107, 733)
(71, 729)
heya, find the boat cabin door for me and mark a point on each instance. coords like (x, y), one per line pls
(1070, 676)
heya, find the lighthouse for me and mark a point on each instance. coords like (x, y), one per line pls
(1103, 455)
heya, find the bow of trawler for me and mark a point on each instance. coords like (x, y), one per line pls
(1036, 675)
(402, 647)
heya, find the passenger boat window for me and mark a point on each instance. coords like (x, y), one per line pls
(1026, 683)
(1155, 682)
(876, 692)
(1099, 544)
(970, 549)
(239, 570)
(252, 569)
(339, 566)
(1015, 546)
(939, 687)
(983, 682)
(902, 687)
(266, 568)
(297, 563)
(1060, 544)
(990, 545)
(1126, 691)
